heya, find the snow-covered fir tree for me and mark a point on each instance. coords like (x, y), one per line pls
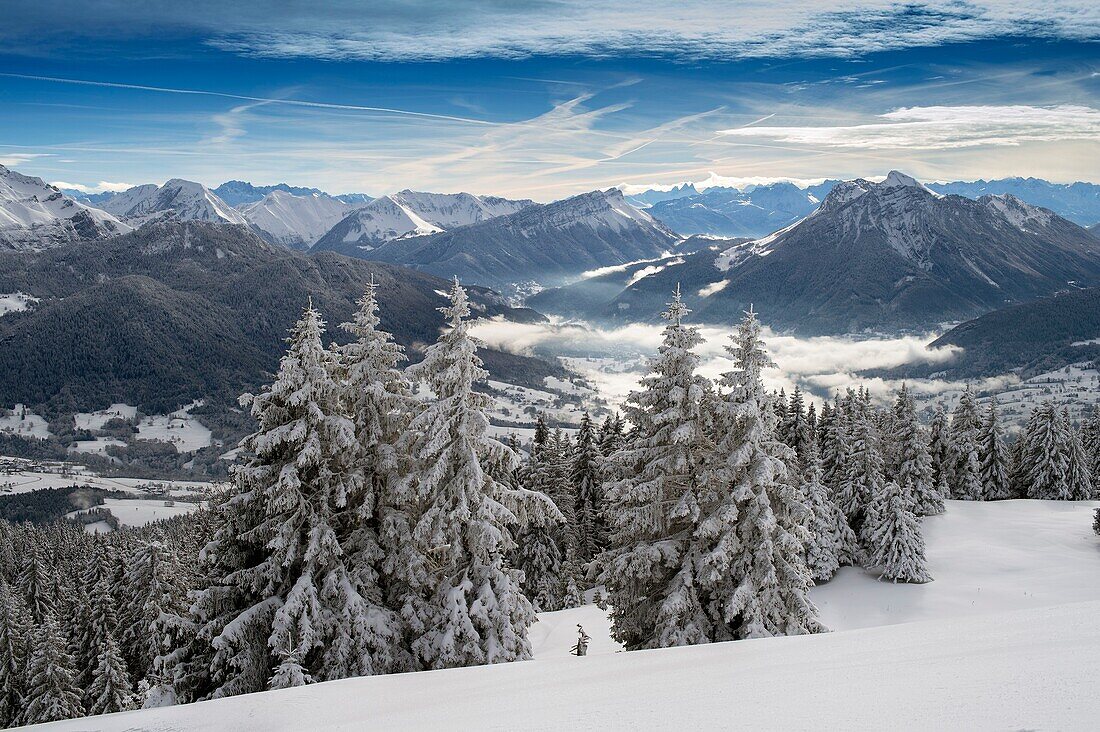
(912, 468)
(586, 477)
(51, 692)
(865, 478)
(796, 430)
(284, 608)
(111, 690)
(14, 647)
(994, 456)
(154, 622)
(894, 537)
(939, 451)
(1080, 473)
(1050, 464)
(966, 465)
(541, 551)
(451, 520)
(757, 566)
(661, 571)
(832, 543)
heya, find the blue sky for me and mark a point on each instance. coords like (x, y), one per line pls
(547, 98)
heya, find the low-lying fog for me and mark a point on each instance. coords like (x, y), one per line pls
(614, 359)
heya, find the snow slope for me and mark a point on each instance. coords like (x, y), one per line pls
(295, 221)
(1004, 638)
(36, 215)
(1032, 669)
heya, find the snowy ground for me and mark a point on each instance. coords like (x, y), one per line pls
(142, 511)
(25, 425)
(1005, 638)
(179, 429)
(24, 481)
(15, 302)
(94, 421)
(98, 446)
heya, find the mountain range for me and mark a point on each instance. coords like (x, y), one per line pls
(873, 256)
(758, 210)
(548, 243)
(177, 311)
(36, 215)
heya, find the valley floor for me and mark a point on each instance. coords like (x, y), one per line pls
(1006, 637)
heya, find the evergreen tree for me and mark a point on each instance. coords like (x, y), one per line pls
(655, 570)
(1090, 441)
(913, 464)
(111, 690)
(155, 610)
(797, 432)
(38, 584)
(14, 637)
(864, 479)
(1080, 472)
(283, 597)
(758, 566)
(1045, 459)
(587, 483)
(51, 693)
(939, 450)
(895, 539)
(966, 466)
(994, 457)
(832, 542)
(450, 522)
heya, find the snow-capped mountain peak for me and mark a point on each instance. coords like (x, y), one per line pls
(180, 199)
(37, 215)
(292, 220)
(412, 213)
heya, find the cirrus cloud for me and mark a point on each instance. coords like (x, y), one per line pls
(943, 127)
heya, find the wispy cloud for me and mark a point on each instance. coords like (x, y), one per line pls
(944, 128)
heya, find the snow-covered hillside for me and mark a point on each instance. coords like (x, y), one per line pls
(35, 215)
(295, 221)
(184, 200)
(1003, 638)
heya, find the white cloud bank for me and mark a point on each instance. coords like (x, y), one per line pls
(615, 359)
(944, 128)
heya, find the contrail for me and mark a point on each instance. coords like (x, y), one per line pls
(225, 95)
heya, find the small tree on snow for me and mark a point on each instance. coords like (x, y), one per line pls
(939, 451)
(895, 538)
(451, 519)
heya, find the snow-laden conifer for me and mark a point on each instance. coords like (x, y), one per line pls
(51, 692)
(14, 647)
(966, 465)
(758, 569)
(896, 543)
(111, 690)
(913, 464)
(451, 519)
(994, 456)
(662, 570)
(283, 607)
(832, 543)
(586, 476)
